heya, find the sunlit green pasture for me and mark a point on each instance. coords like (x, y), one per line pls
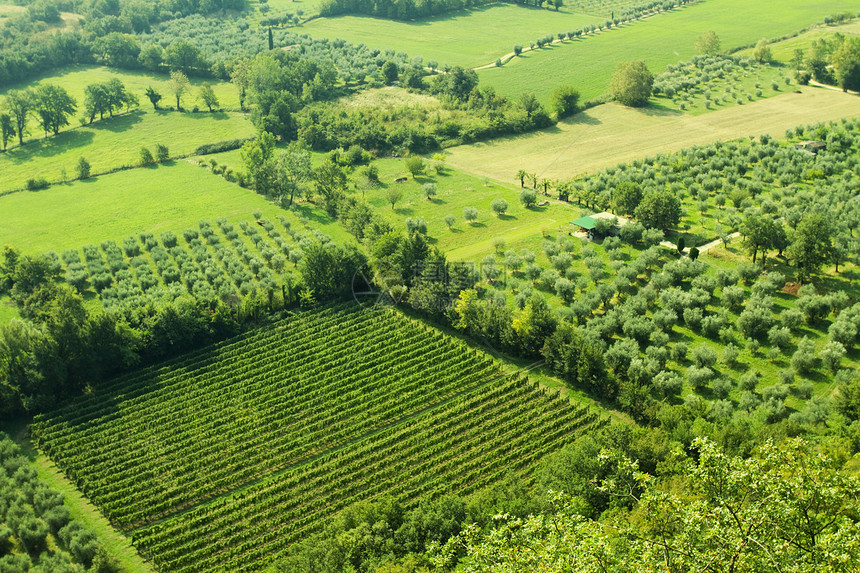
(75, 79)
(466, 38)
(588, 64)
(116, 142)
(168, 197)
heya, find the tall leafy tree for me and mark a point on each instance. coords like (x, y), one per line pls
(178, 84)
(117, 50)
(184, 57)
(95, 101)
(331, 183)
(631, 84)
(257, 155)
(846, 61)
(207, 94)
(20, 103)
(762, 233)
(708, 43)
(7, 129)
(564, 100)
(626, 197)
(154, 97)
(293, 172)
(659, 209)
(54, 106)
(118, 96)
(811, 245)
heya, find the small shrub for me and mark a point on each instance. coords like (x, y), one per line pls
(83, 168)
(36, 184)
(162, 154)
(146, 157)
(499, 206)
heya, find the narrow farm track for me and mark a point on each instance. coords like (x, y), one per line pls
(221, 459)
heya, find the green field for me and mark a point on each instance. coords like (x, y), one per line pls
(116, 142)
(783, 50)
(588, 64)
(468, 38)
(610, 134)
(75, 79)
(325, 408)
(111, 207)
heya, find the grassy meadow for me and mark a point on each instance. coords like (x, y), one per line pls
(75, 79)
(588, 63)
(467, 38)
(169, 197)
(116, 142)
(610, 134)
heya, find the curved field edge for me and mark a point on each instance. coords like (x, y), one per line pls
(80, 509)
(610, 134)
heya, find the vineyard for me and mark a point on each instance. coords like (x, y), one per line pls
(222, 458)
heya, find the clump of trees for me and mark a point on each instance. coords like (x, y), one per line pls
(631, 84)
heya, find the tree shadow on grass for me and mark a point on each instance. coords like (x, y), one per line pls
(50, 147)
(581, 118)
(217, 115)
(117, 123)
(506, 217)
(315, 215)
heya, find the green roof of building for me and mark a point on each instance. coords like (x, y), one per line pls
(584, 222)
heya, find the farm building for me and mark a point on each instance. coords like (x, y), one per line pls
(811, 146)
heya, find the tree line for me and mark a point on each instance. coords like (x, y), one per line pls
(53, 107)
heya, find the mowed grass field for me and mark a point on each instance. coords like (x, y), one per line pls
(170, 197)
(467, 38)
(117, 142)
(610, 134)
(588, 64)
